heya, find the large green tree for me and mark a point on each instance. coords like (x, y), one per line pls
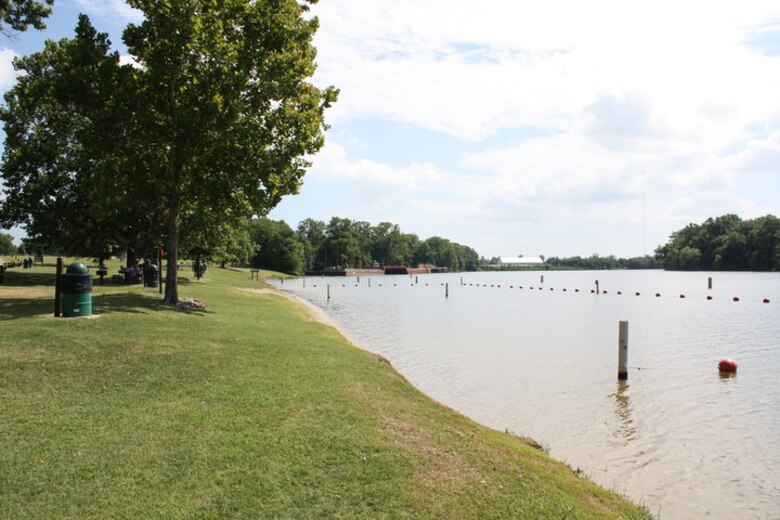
(229, 111)
(7, 244)
(75, 178)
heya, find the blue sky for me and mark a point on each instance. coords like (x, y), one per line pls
(558, 128)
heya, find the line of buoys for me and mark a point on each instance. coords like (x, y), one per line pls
(708, 297)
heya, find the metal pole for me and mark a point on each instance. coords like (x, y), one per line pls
(58, 289)
(446, 290)
(623, 351)
(328, 292)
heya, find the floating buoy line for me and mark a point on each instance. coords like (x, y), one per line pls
(658, 294)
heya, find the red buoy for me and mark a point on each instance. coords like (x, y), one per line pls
(735, 299)
(682, 296)
(766, 300)
(637, 293)
(709, 297)
(657, 294)
(727, 365)
(620, 292)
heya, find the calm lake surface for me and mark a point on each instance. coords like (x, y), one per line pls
(677, 437)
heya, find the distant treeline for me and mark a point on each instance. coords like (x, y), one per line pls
(725, 243)
(602, 262)
(345, 243)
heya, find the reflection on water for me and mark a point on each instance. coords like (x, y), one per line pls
(677, 436)
(626, 429)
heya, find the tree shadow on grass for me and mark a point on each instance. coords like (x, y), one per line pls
(126, 303)
(14, 278)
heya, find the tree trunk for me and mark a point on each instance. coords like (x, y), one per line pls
(131, 260)
(171, 286)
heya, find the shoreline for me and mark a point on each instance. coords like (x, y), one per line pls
(312, 311)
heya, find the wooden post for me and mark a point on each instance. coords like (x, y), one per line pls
(461, 280)
(358, 281)
(623, 351)
(304, 282)
(58, 289)
(542, 279)
(415, 280)
(159, 270)
(597, 287)
(446, 290)
(328, 292)
(369, 282)
(709, 282)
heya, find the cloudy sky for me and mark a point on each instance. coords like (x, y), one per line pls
(558, 128)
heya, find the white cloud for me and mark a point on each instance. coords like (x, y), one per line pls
(544, 63)
(370, 178)
(114, 10)
(7, 72)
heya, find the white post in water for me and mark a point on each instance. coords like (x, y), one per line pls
(328, 291)
(623, 351)
(446, 290)
(461, 280)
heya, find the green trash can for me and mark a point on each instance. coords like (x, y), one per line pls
(76, 291)
(152, 276)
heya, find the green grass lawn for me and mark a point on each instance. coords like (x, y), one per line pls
(245, 409)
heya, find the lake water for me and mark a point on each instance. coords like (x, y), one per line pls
(677, 436)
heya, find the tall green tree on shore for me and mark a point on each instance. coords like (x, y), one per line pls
(74, 177)
(228, 109)
(212, 126)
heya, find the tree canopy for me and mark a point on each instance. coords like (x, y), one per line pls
(214, 124)
(349, 243)
(725, 243)
(19, 15)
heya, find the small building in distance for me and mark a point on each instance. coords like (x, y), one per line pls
(519, 262)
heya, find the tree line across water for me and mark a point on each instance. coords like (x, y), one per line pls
(721, 243)
(342, 242)
(725, 243)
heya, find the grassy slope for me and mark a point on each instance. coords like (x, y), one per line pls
(245, 410)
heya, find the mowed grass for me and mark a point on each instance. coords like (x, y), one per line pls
(246, 409)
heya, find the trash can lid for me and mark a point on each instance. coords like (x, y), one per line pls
(77, 268)
(153, 267)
